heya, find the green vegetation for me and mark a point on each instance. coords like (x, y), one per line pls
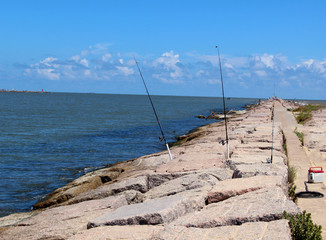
(300, 135)
(285, 148)
(291, 192)
(292, 173)
(304, 112)
(302, 227)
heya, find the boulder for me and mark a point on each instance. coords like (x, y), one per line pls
(265, 169)
(232, 187)
(139, 184)
(135, 232)
(62, 222)
(267, 204)
(181, 184)
(153, 212)
(250, 231)
(82, 184)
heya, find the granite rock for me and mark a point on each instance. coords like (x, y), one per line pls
(267, 204)
(152, 212)
(229, 188)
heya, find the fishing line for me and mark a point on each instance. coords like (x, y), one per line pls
(157, 119)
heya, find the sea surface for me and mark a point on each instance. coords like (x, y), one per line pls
(49, 139)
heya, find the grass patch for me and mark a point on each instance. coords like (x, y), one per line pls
(304, 112)
(285, 148)
(302, 227)
(300, 135)
(292, 174)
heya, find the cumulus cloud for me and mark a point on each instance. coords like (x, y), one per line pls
(169, 68)
(125, 70)
(106, 57)
(46, 68)
(98, 63)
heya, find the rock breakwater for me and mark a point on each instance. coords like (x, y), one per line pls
(199, 193)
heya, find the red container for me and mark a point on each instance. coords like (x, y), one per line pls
(315, 175)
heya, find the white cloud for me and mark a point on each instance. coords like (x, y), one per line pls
(48, 73)
(228, 65)
(268, 60)
(106, 57)
(169, 68)
(84, 62)
(244, 72)
(125, 70)
(261, 73)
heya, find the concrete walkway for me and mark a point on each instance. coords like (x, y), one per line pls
(300, 160)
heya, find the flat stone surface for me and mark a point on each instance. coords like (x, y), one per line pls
(265, 169)
(136, 232)
(16, 218)
(152, 212)
(62, 222)
(181, 184)
(238, 159)
(249, 231)
(192, 162)
(267, 204)
(232, 187)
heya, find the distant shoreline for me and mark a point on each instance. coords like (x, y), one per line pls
(23, 91)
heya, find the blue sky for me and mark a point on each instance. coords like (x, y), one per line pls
(88, 46)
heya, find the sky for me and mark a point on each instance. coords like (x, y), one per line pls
(267, 47)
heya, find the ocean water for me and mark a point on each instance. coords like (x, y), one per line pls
(50, 139)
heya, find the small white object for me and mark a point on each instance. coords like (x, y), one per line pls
(315, 175)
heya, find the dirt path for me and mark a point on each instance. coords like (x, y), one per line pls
(299, 158)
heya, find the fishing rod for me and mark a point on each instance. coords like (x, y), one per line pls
(225, 120)
(158, 121)
(273, 116)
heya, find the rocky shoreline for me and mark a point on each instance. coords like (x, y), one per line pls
(199, 194)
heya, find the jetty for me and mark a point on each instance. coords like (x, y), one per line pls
(199, 194)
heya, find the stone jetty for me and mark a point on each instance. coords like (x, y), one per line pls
(200, 194)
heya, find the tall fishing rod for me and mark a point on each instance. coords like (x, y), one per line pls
(273, 116)
(225, 120)
(158, 121)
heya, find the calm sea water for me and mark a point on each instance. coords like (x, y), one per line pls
(48, 140)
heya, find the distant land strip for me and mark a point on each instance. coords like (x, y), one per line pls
(22, 91)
